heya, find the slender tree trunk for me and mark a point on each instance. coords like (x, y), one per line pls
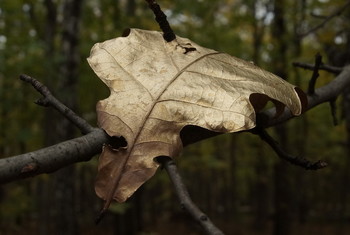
(300, 140)
(44, 186)
(262, 195)
(233, 189)
(130, 7)
(261, 189)
(65, 218)
(282, 195)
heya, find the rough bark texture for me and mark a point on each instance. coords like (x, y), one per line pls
(53, 158)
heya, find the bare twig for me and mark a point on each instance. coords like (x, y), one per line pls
(328, 68)
(315, 15)
(299, 161)
(49, 100)
(184, 197)
(52, 158)
(162, 21)
(337, 12)
(315, 74)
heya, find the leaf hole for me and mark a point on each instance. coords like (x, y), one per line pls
(117, 142)
(161, 159)
(126, 32)
(303, 98)
(190, 134)
(261, 102)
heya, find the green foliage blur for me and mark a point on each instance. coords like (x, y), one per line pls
(230, 177)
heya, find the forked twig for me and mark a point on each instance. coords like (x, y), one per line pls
(186, 202)
(312, 83)
(315, 74)
(299, 161)
(328, 68)
(49, 100)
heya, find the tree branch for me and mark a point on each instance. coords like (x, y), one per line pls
(49, 100)
(55, 157)
(184, 197)
(299, 161)
(52, 158)
(315, 74)
(326, 20)
(328, 68)
(321, 95)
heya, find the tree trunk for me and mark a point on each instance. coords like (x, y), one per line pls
(282, 193)
(44, 186)
(233, 189)
(261, 189)
(62, 75)
(130, 7)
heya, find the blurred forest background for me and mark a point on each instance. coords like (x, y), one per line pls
(236, 179)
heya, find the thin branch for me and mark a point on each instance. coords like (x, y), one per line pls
(322, 95)
(312, 84)
(52, 158)
(337, 12)
(315, 15)
(49, 100)
(315, 74)
(161, 18)
(299, 161)
(184, 197)
(328, 68)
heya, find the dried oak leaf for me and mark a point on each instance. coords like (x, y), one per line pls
(158, 87)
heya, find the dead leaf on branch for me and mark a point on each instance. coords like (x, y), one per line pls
(158, 88)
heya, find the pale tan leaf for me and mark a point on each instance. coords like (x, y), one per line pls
(158, 88)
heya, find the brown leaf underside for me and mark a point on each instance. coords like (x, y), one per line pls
(158, 88)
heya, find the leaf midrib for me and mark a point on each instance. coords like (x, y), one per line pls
(146, 117)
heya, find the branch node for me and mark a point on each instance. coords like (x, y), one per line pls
(315, 74)
(30, 167)
(49, 100)
(328, 68)
(42, 102)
